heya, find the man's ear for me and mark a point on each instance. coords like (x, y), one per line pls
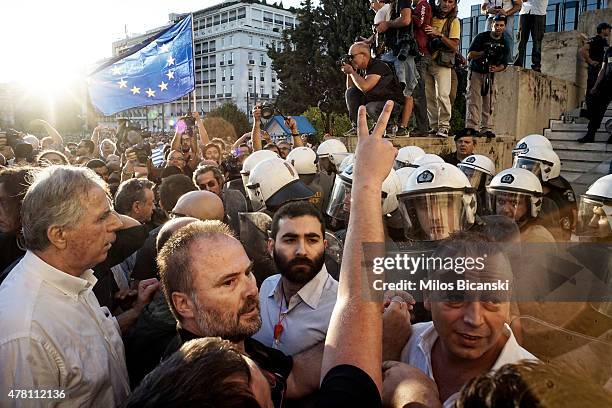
(57, 236)
(183, 305)
(136, 205)
(270, 246)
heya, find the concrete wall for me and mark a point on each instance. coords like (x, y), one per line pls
(560, 57)
(499, 149)
(527, 100)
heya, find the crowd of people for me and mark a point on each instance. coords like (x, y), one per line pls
(145, 270)
(413, 56)
(142, 272)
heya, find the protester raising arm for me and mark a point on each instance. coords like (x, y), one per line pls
(201, 129)
(292, 125)
(256, 131)
(58, 141)
(355, 332)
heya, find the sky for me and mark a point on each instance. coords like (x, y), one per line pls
(46, 43)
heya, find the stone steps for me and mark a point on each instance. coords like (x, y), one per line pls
(570, 135)
(557, 125)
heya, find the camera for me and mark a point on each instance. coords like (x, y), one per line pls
(267, 110)
(493, 54)
(231, 168)
(344, 60)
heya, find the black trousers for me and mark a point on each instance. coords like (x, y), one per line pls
(597, 105)
(535, 26)
(355, 98)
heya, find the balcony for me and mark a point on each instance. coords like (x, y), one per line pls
(250, 77)
(252, 62)
(230, 62)
(261, 79)
(228, 95)
(231, 77)
(220, 95)
(222, 78)
(222, 63)
(263, 63)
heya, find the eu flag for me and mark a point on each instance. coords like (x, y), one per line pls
(158, 70)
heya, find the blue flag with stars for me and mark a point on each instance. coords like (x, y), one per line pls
(158, 70)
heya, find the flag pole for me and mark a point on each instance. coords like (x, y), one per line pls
(195, 106)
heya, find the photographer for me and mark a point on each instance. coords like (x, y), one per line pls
(372, 89)
(400, 49)
(509, 8)
(184, 140)
(444, 34)
(489, 53)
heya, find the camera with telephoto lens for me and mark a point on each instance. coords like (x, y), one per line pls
(231, 168)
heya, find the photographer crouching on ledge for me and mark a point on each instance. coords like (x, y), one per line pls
(372, 89)
(489, 53)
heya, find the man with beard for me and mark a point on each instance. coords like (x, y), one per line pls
(296, 304)
(209, 285)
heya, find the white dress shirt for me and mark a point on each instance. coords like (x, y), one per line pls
(534, 7)
(55, 336)
(305, 320)
(417, 352)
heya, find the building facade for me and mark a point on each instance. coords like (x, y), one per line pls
(561, 15)
(231, 42)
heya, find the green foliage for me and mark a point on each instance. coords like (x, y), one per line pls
(340, 123)
(231, 114)
(306, 66)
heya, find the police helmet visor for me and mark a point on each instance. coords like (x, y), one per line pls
(532, 165)
(592, 219)
(400, 164)
(511, 204)
(477, 178)
(433, 216)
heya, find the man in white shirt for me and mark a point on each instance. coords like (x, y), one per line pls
(468, 335)
(532, 21)
(55, 335)
(296, 304)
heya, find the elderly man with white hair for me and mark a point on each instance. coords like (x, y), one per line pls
(55, 335)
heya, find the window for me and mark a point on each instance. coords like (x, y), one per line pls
(278, 19)
(250, 40)
(241, 13)
(223, 75)
(232, 74)
(232, 89)
(217, 20)
(223, 18)
(267, 17)
(262, 61)
(209, 22)
(232, 15)
(231, 40)
(250, 74)
(261, 42)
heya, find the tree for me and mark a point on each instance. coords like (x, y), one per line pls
(306, 66)
(228, 119)
(340, 123)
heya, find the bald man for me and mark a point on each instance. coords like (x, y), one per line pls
(155, 328)
(372, 89)
(202, 205)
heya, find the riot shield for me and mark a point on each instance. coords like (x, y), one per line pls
(333, 254)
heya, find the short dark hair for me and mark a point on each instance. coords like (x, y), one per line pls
(295, 209)
(500, 17)
(206, 372)
(170, 171)
(532, 383)
(95, 163)
(172, 188)
(211, 146)
(205, 169)
(129, 192)
(90, 145)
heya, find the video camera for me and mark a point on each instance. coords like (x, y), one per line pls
(493, 54)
